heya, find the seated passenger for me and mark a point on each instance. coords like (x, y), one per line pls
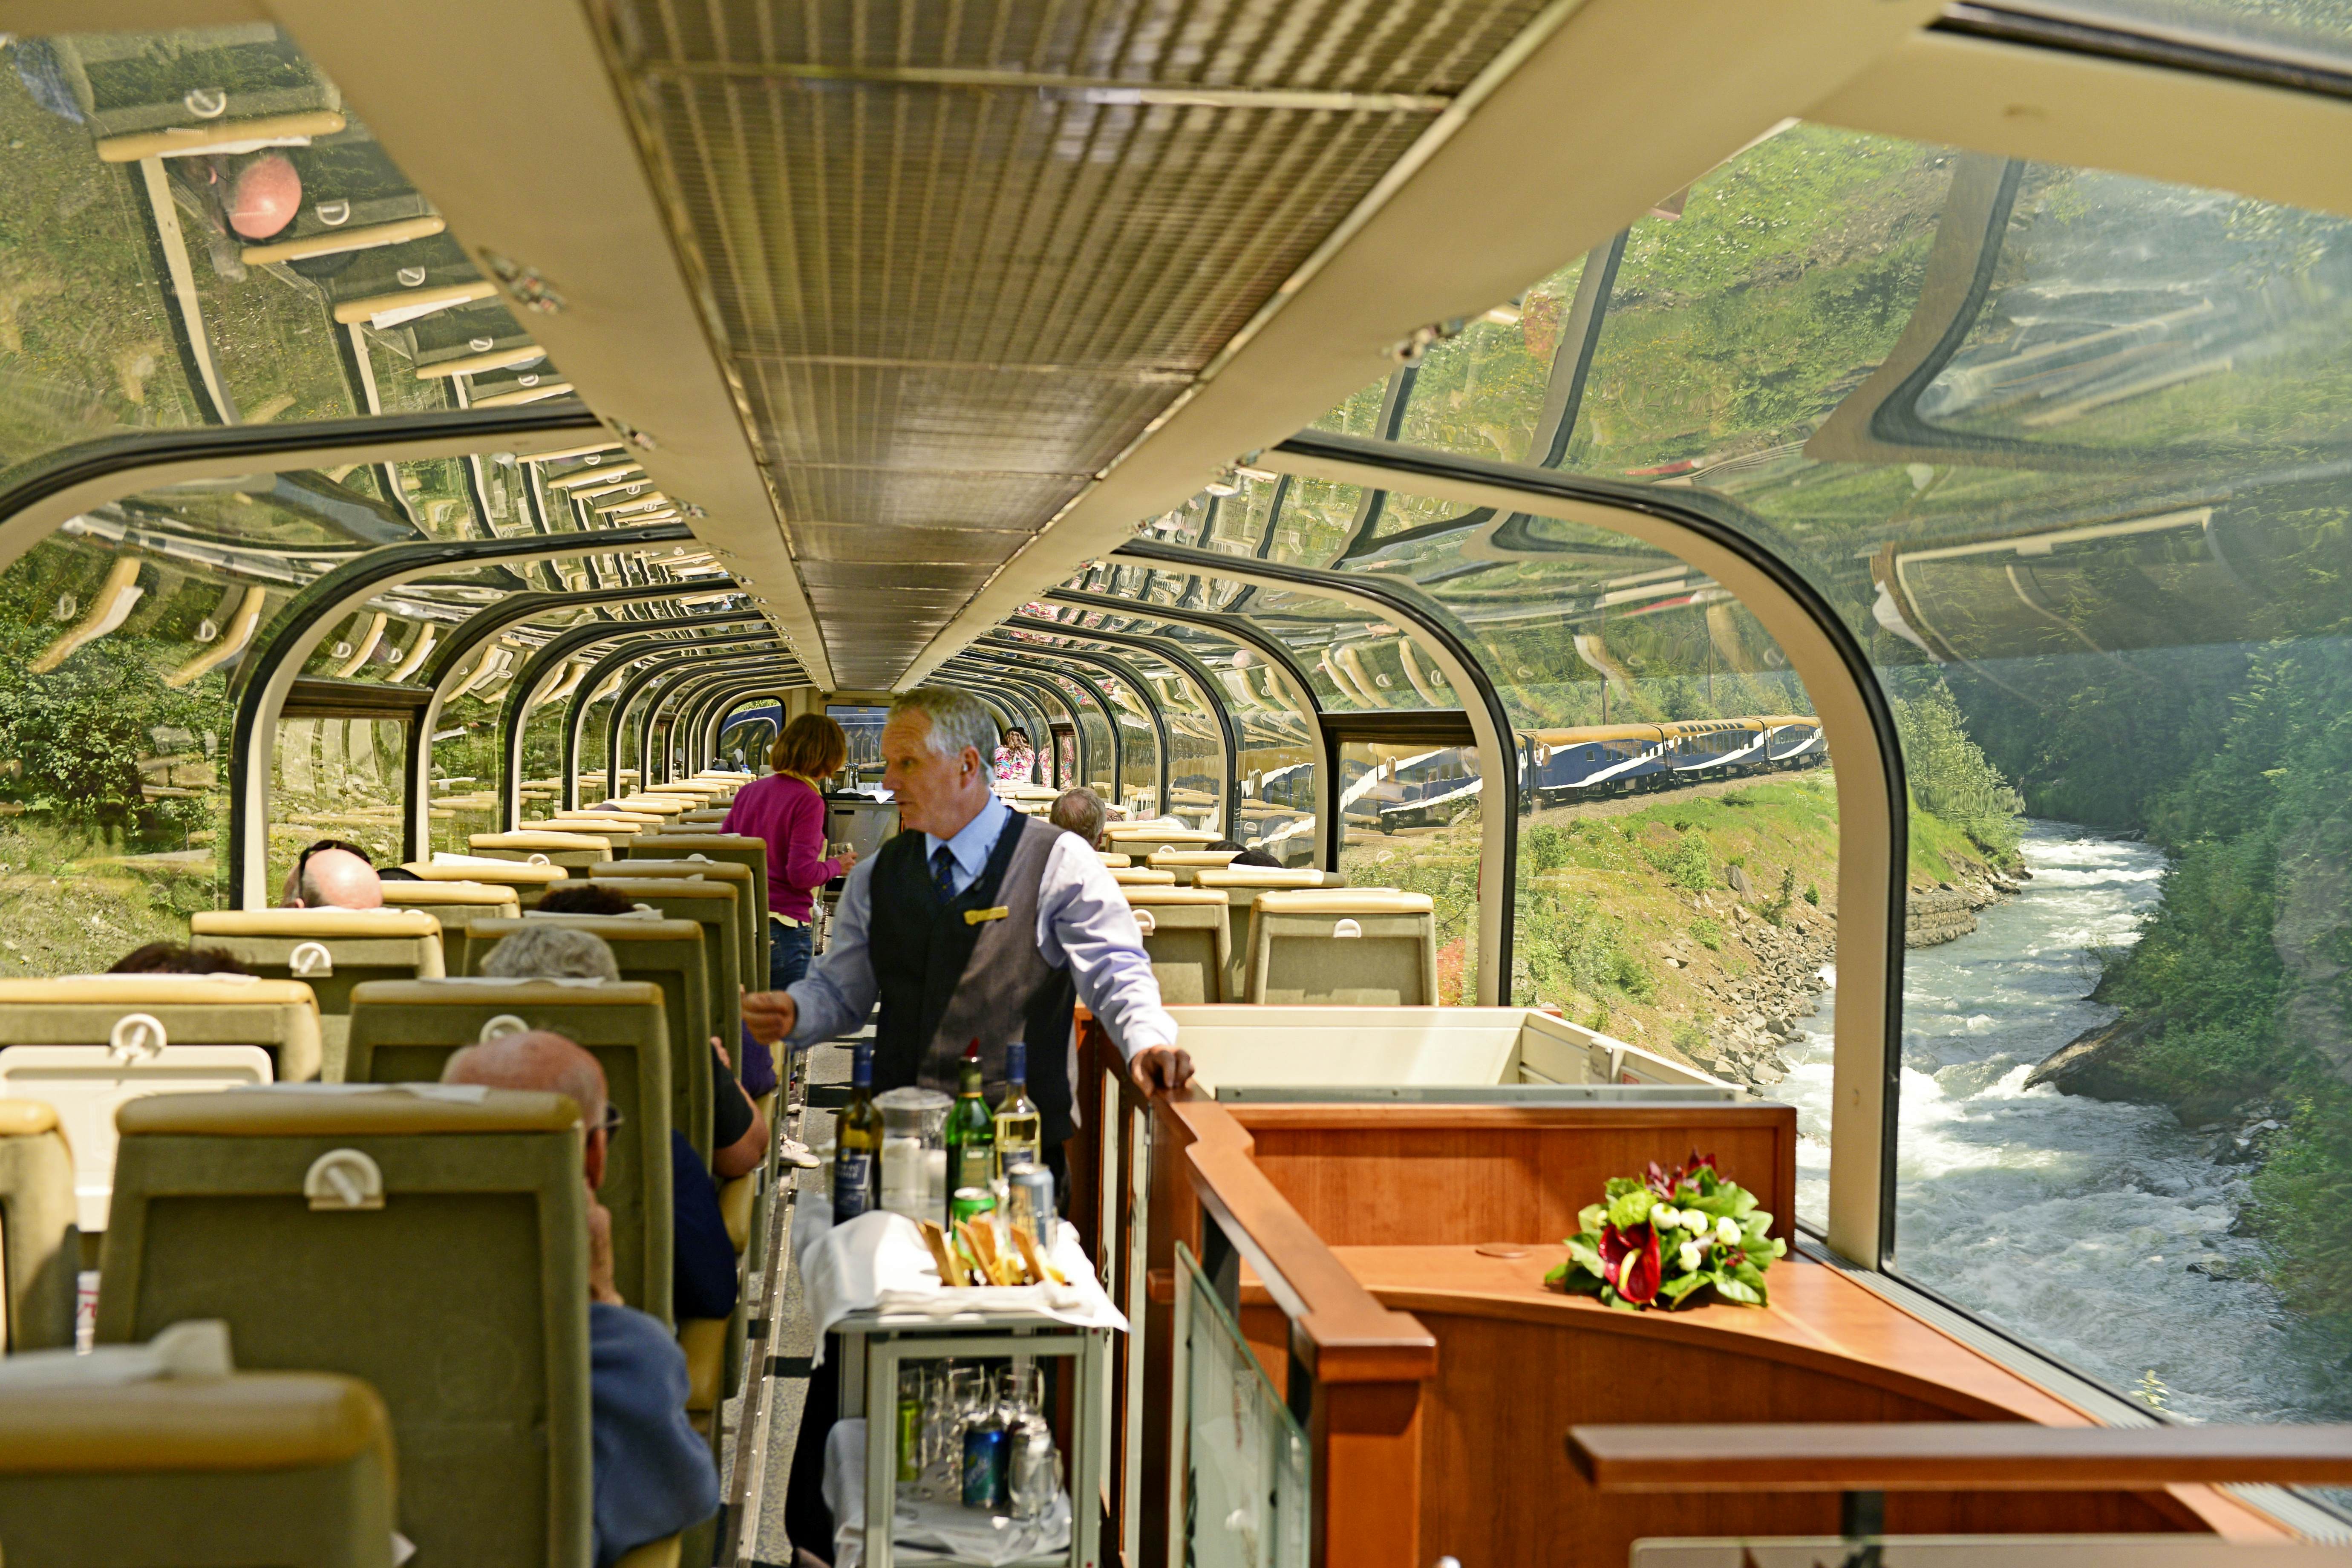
(758, 1071)
(1246, 857)
(653, 1475)
(702, 1259)
(332, 875)
(1080, 810)
(177, 958)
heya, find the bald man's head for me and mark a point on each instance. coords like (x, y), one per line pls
(336, 879)
(547, 1062)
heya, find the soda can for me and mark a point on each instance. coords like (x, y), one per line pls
(970, 1204)
(1029, 1203)
(983, 1466)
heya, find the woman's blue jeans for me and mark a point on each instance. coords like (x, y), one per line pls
(788, 954)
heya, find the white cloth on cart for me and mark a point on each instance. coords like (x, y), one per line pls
(921, 1530)
(878, 1262)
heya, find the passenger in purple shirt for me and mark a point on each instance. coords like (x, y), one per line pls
(787, 809)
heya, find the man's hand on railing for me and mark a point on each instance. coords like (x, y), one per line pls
(1160, 1066)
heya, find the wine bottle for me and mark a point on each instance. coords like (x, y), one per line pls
(970, 1134)
(858, 1142)
(1018, 1124)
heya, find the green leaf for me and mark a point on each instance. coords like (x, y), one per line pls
(1732, 1288)
(1747, 1274)
(1618, 1186)
(1756, 1224)
(1675, 1289)
(1592, 1217)
(1629, 1209)
(1558, 1272)
(1743, 1202)
(1584, 1252)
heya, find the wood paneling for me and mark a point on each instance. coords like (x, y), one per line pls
(1406, 1175)
(1934, 1456)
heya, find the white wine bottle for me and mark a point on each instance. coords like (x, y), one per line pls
(857, 1143)
(1018, 1124)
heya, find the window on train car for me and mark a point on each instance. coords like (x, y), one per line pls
(335, 778)
(201, 234)
(2068, 450)
(114, 728)
(2317, 32)
(1409, 816)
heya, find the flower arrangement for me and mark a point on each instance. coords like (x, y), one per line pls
(1657, 1242)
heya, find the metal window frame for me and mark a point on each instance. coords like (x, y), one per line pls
(655, 683)
(268, 673)
(544, 663)
(702, 704)
(1112, 665)
(576, 715)
(1196, 673)
(1102, 704)
(1034, 689)
(1704, 531)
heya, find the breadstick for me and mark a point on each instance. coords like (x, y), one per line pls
(1034, 1257)
(952, 1273)
(966, 1235)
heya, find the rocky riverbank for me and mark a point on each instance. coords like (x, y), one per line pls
(1757, 1011)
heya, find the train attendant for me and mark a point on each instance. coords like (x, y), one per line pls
(787, 809)
(974, 921)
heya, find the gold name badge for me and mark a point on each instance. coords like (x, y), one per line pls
(975, 917)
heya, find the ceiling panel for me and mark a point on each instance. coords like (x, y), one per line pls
(961, 258)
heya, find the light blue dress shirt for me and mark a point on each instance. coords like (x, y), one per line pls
(1083, 924)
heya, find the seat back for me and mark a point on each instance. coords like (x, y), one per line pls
(750, 933)
(294, 1469)
(739, 849)
(38, 1257)
(430, 1241)
(406, 1031)
(1147, 839)
(717, 906)
(1186, 934)
(1188, 864)
(1115, 862)
(667, 953)
(572, 851)
(528, 880)
(330, 951)
(86, 1046)
(663, 805)
(1354, 946)
(613, 824)
(455, 906)
(708, 813)
(1141, 877)
(1242, 884)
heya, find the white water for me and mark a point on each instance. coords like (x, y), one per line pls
(2067, 1222)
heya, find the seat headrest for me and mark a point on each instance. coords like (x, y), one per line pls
(377, 924)
(711, 841)
(1344, 901)
(159, 991)
(473, 989)
(1164, 858)
(612, 928)
(1261, 877)
(609, 813)
(1118, 830)
(653, 866)
(1141, 877)
(27, 1118)
(648, 888)
(608, 822)
(249, 1421)
(482, 869)
(538, 841)
(346, 1109)
(1165, 895)
(416, 893)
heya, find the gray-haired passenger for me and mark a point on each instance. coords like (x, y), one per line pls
(552, 953)
(1080, 810)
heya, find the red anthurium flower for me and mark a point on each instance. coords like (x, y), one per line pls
(1631, 1262)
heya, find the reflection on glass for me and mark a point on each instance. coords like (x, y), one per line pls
(335, 778)
(1410, 815)
(201, 234)
(1240, 1455)
(2067, 449)
(2316, 30)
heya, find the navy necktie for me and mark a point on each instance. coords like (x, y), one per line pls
(943, 872)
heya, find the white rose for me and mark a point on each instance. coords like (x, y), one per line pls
(1727, 1231)
(1697, 1224)
(1666, 1217)
(1692, 1255)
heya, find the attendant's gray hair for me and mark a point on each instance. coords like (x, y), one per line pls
(957, 720)
(552, 953)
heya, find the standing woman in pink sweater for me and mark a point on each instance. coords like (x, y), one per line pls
(787, 809)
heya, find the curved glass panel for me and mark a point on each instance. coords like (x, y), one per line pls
(202, 234)
(2318, 31)
(2066, 449)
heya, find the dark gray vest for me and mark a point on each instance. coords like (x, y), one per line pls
(946, 980)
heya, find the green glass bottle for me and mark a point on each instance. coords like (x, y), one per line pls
(1019, 1126)
(857, 1143)
(971, 1135)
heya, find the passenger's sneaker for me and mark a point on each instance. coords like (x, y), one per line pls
(792, 1152)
